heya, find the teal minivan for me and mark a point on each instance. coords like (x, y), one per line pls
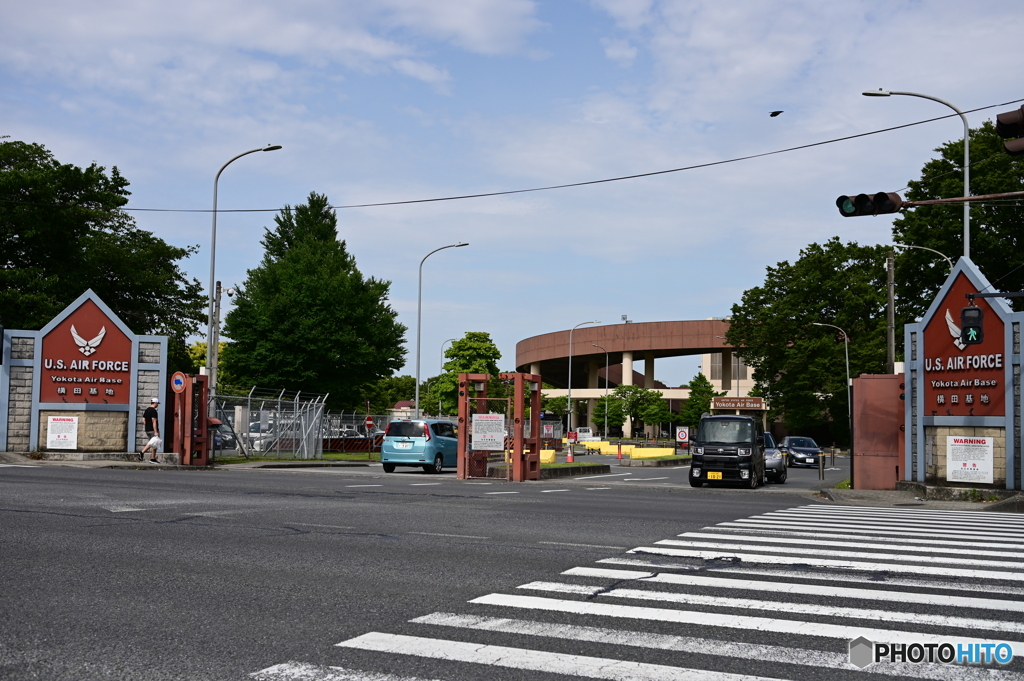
(427, 443)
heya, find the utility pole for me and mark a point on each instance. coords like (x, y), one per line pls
(890, 332)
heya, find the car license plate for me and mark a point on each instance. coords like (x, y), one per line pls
(403, 445)
(714, 475)
(810, 461)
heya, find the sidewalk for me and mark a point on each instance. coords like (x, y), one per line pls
(908, 499)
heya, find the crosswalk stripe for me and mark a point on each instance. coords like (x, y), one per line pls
(536, 660)
(776, 587)
(840, 554)
(810, 609)
(865, 528)
(728, 621)
(923, 523)
(730, 532)
(705, 646)
(862, 577)
(902, 547)
(962, 573)
(849, 511)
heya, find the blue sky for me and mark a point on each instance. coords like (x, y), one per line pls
(407, 99)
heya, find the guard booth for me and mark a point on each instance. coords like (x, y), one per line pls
(482, 432)
(190, 432)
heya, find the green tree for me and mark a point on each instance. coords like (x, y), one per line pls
(63, 230)
(613, 405)
(474, 353)
(701, 392)
(637, 401)
(387, 391)
(306, 319)
(995, 225)
(800, 368)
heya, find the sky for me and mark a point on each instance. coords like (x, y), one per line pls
(398, 100)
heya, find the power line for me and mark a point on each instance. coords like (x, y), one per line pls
(586, 183)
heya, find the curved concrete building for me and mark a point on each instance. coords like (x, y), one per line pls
(626, 344)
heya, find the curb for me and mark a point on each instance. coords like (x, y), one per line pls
(549, 473)
(655, 463)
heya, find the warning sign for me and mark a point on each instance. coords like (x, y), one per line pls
(969, 459)
(488, 432)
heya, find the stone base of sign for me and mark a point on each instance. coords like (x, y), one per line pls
(960, 492)
(935, 454)
(98, 431)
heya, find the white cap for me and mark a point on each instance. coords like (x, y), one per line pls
(155, 400)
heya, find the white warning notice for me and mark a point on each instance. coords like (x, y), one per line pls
(489, 432)
(62, 432)
(969, 459)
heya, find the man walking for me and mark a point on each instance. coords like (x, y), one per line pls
(151, 420)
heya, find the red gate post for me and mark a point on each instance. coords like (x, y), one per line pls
(525, 449)
(470, 463)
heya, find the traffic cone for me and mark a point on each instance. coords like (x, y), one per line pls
(620, 450)
(569, 459)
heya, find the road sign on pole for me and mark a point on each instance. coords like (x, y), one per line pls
(369, 422)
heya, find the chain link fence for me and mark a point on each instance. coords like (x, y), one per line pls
(273, 424)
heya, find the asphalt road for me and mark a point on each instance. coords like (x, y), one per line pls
(160, 574)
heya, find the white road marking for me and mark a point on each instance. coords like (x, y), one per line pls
(810, 575)
(729, 621)
(586, 546)
(609, 475)
(853, 545)
(364, 485)
(545, 491)
(908, 512)
(780, 606)
(479, 483)
(590, 489)
(299, 671)
(501, 492)
(535, 660)
(457, 536)
(840, 554)
(330, 527)
(17, 465)
(701, 646)
(902, 541)
(422, 484)
(642, 479)
(825, 590)
(924, 519)
(959, 573)
(863, 528)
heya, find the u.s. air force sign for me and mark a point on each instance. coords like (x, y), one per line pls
(963, 380)
(86, 358)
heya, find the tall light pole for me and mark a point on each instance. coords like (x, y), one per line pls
(849, 401)
(967, 155)
(605, 389)
(419, 317)
(211, 338)
(568, 399)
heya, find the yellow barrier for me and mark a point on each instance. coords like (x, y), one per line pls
(652, 452)
(613, 450)
(595, 445)
(547, 456)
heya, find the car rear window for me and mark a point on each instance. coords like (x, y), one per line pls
(406, 429)
(802, 442)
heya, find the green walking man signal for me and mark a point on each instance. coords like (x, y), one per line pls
(972, 331)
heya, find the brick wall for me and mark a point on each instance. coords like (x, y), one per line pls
(19, 409)
(936, 461)
(23, 348)
(98, 431)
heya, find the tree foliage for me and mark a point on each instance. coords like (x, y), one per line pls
(638, 402)
(701, 392)
(63, 231)
(306, 319)
(613, 405)
(800, 368)
(474, 353)
(997, 244)
(386, 392)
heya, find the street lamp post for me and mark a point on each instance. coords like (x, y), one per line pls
(605, 389)
(967, 156)
(211, 337)
(419, 317)
(568, 399)
(925, 248)
(849, 401)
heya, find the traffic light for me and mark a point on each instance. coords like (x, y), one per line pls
(1010, 126)
(863, 204)
(971, 331)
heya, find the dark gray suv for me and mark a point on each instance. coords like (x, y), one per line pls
(728, 449)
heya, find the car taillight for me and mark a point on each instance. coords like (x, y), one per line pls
(426, 432)
(387, 431)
